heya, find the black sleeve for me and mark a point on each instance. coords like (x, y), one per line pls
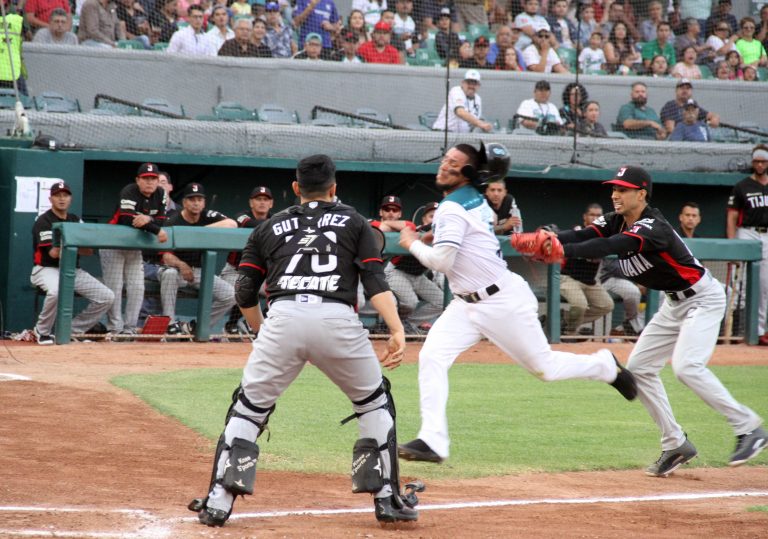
(577, 236)
(253, 263)
(369, 262)
(618, 244)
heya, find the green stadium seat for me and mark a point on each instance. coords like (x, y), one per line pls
(118, 108)
(276, 114)
(328, 121)
(762, 74)
(616, 134)
(231, 111)
(208, 118)
(706, 73)
(567, 57)
(159, 103)
(160, 46)
(476, 30)
(428, 119)
(129, 44)
(374, 114)
(56, 102)
(8, 100)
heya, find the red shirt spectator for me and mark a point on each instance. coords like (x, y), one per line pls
(379, 51)
(38, 12)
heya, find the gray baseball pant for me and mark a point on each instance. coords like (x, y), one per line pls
(409, 289)
(630, 296)
(749, 234)
(171, 280)
(123, 267)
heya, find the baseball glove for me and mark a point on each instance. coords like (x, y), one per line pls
(542, 246)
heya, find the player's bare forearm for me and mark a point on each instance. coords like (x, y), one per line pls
(226, 223)
(732, 219)
(253, 316)
(386, 306)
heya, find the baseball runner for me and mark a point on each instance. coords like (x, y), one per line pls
(748, 220)
(312, 256)
(45, 272)
(183, 268)
(684, 329)
(489, 300)
(142, 205)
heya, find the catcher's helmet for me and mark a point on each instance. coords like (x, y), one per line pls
(492, 166)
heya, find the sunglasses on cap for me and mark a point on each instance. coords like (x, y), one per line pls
(542, 34)
(723, 29)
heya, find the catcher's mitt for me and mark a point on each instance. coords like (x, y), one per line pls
(542, 245)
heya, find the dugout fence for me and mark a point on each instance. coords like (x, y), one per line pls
(717, 254)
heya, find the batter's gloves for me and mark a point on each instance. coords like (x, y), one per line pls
(542, 246)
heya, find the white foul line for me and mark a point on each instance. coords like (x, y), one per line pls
(8, 377)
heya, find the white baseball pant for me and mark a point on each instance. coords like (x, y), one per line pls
(123, 267)
(171, 280)
(749, 234)
(630, 297)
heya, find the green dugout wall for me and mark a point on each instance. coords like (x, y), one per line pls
(96, 177)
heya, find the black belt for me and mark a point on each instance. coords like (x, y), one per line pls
(323, 299)
(760, 229)
(474, 297)
(676, 296)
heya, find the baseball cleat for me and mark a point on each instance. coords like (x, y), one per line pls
(418, 450)
(387, 511)
(625, 381)
(671, 460)
(215, 518)
(748, 446)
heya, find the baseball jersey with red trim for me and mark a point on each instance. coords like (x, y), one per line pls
(319, 248)
(42, 238)
(133, 203)
(208, 217)
(244, 219)
(750, 199)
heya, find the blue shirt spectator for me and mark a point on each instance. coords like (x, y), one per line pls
(316, 16)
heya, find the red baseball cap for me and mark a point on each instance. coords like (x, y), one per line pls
(382, 26)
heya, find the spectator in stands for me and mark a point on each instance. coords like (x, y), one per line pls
(241, 46)
(388, 17)
(540, 57)
(586, 297)
(506, 38)
(371, 10)
(502, 203)
(660, 45)
(508, 62)
(317, 17)
(588, 25)
(99, 26)
(56, 33)
(479, 58)
(722, 42)
(722, 13)
(574, 97)
(37, 13)
(592, 58)
(470, 12)
(135, 21)
(562, 28)
(751, 50)
(45, 272)
(762, 27)
(141, 205)
(379, 51)
(258, 10)
(191, 40)
(356, 24)
(444, 34)
(348, 53)
(648, 26)
(659, 67)
(404, 26)
(750, 74)
(691, 129)
(241, 8)
(260, 204)
(465, 107)
(733, 59)
(221, 32)
(530, 23)
(672, 111)
(693, 38)
(163, 20)
(695, 9)
(590, 125)
(637, 119)
(183, 268)
(258, 39)
(406, 277)
(686, 68)
(279, 36)
(722, 71)
(539, 113)
(614, 282)
(618, 43)
(618, 14)
(431, 12)
(313, 48)
(690, 218)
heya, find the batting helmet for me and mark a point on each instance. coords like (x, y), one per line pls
(493, 164)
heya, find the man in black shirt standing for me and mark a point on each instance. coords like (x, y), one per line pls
(686, 327)
(312, 256)
(183, 268)
(45, 273)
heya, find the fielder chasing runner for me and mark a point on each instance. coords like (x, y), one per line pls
(312, 256)
(686, 327)
(489, 300)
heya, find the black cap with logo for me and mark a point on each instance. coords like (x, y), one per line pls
(194, 190)
(632, 178)
(391, 200)
(58, 187)
(261, 191)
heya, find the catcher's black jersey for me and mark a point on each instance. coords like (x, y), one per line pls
(244, 219)
(42, 238)
(208, 217)
(750, 199)
(319, 248)
(661, 262)
(133, 203)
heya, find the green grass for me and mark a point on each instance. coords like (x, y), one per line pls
(502, 419)
(758, 509)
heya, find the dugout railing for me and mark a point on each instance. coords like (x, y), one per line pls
(211, 241)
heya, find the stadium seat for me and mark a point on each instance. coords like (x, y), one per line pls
(129, 44)
(567, 57)
(616, 134)
(724, 134)
(275, 114)
(706, 73)
(476, 30)
(8, 100)
(762, 73)
(160, 46)
(329, 122)
(56, 102)
(428, 119)
(234, 112)
(102, 112)
(118, 108)
(374, 114)
(425, 57)
(159, 103)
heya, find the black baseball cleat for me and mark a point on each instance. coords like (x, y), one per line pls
(387, 511)
(748, 446)
(215, 518)
(625, 381)
(418, 450)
